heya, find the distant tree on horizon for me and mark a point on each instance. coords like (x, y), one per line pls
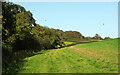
(98, 37)
(106, 38)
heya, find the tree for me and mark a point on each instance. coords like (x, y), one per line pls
(97, 36)
(72, 36)
(106, 38)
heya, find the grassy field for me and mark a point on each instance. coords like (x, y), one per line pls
(68, 43)
(96, 57)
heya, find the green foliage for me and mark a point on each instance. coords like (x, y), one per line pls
(106, 38)
(98, 37)
(71, 36)
(21, 33)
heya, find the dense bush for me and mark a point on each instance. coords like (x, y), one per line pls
(73, 36)
(21, 33)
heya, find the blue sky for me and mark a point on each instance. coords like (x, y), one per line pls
(85, 17)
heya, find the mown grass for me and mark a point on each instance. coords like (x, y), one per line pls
(73, 43)
(96, 57)
(106, 44)
(69, 43)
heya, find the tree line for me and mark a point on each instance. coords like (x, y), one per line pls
(20, 32)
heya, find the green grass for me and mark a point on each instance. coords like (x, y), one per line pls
(96, 57)
(69, 43)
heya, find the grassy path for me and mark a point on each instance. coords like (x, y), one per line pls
(96, 57)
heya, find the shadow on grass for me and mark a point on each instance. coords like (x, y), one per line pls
(16, 61)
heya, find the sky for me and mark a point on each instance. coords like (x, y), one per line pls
(89, 18)
(63, 0)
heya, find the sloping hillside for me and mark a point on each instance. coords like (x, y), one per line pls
(96, 57)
